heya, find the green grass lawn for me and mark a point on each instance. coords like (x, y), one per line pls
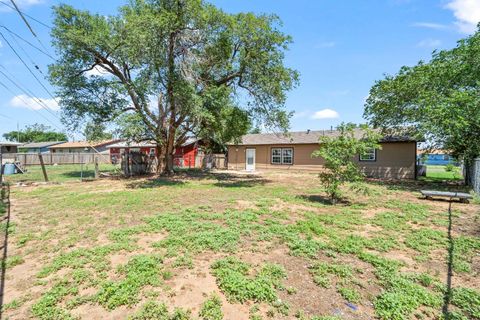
(60, 173)
(439, 173)
(218, 246)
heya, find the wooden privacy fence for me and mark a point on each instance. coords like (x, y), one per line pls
(32, 159)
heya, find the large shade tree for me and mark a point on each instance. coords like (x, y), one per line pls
(439, 99)
(175, 66)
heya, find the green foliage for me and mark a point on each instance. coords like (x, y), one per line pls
(13, 261)
(464, 249)
(338, 153)
(438, 98)
(212, 309)
(403, 295)
(349, 294)
(322, 273)
(468, 300)
(155, 311)
(35, 133)
(96, 131)
(46, 308)
(233, 279)
(140, 271)
(424, 240)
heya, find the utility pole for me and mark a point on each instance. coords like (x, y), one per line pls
(18, 133)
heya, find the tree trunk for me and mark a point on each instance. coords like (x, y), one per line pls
(170, 147)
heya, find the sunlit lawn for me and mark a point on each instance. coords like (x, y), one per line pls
(440, 173)
(60, 173)
(218, 246)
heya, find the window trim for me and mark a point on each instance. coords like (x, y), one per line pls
(369, 160)
(281, 156)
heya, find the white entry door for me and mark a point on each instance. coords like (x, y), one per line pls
(250, 163)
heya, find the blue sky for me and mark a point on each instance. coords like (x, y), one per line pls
(340, 48)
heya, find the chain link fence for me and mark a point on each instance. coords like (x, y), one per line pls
(26, 168)
(58, 167)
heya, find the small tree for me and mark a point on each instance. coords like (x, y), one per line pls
(338, 154)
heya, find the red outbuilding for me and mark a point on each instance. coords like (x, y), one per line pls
(185, 156)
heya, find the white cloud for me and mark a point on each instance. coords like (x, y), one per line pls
(429, 43)
(467, 13)
(301, 114)
(24, 101)
(21, 4)
(327, 44)
(430, 25)
(325, 114)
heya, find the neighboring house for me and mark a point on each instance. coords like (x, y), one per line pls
(9, 147)
(82, 147)
(395, 160)
(435, 157)
(38, 147)
(184, 156)
(8, 150)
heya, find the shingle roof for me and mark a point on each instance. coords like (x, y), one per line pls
(147, 144)
(9, 144)
(305, 137)
(126, 144)
(41, 144)
(83, 144)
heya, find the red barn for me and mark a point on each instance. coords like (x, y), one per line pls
(184, 156)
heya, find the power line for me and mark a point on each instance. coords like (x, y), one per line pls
(26, 104)
(35, 65)
(7, 117)
(15, 7)
(23, 18)
(27, 42)
(26, 15)
(26, 66)
(26, 91)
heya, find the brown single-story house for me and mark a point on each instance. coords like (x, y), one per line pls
(82, 147)
(293, 151)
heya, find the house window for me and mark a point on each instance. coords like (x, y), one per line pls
(152, 151)
(277, 156)
(287, 156)
(369, 155)
(282, 155)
